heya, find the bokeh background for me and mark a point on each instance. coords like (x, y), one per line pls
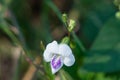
(26, 26)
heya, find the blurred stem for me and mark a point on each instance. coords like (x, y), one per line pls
(20, 35)
(78, 42)
(64, 75)
(14, 21)
(17, 68)
(48, 71)
(5, 28)
(54, 8)
(75, 14)
(32, 69)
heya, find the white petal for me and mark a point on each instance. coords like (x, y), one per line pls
(53, 47)
(47, 56)
(69, 61)
(56, 64)
(64, 50)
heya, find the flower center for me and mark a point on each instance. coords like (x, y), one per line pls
(56, 61)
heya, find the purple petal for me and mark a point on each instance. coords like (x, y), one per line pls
(56, 63)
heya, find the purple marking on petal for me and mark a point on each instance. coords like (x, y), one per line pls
(56, 62)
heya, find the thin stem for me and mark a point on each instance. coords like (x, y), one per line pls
(79, 42)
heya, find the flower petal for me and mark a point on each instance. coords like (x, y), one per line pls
(64, 50)
(47, 56)
(69, 61)
(56, 63)
(53, 47)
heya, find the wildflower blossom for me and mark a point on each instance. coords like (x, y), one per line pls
(57, 55)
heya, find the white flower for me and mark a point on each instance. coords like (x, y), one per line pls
(57, 55)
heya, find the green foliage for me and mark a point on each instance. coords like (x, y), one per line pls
(94, 37)
(104, 54)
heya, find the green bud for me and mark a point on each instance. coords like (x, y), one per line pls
(42, 46)
(64, 18)
(71, 26)
(65, 40)
(117, 14)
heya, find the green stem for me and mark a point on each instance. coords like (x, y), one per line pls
(79, 42)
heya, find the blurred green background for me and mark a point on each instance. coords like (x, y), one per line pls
(26, 25)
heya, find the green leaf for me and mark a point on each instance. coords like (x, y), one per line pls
(104, 55)
(95, 19)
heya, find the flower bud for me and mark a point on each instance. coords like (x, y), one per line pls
(71, 25)
(64, 18)
(65, 40)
